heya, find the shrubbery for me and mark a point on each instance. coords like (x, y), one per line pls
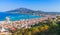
(47, 27)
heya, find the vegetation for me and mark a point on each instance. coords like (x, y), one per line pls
(47, 27)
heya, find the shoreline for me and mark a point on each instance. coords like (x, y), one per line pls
(13, 25)
(41, 18)
(26, 21)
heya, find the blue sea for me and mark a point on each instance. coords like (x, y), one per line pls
(14, 17)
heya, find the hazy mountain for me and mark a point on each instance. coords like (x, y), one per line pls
(25, 10)
(21, 10)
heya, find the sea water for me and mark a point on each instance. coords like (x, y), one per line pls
(14, 17)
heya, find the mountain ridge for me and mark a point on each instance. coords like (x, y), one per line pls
(25, 10)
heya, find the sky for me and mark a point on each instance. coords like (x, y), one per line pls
(43, 5)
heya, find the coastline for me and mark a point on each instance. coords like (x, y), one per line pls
(34, 19)
(24, 23)
(41, 18)
(14, 25)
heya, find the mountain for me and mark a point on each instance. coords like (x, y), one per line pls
(24, 11)
(29, 11)
(21, 10)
